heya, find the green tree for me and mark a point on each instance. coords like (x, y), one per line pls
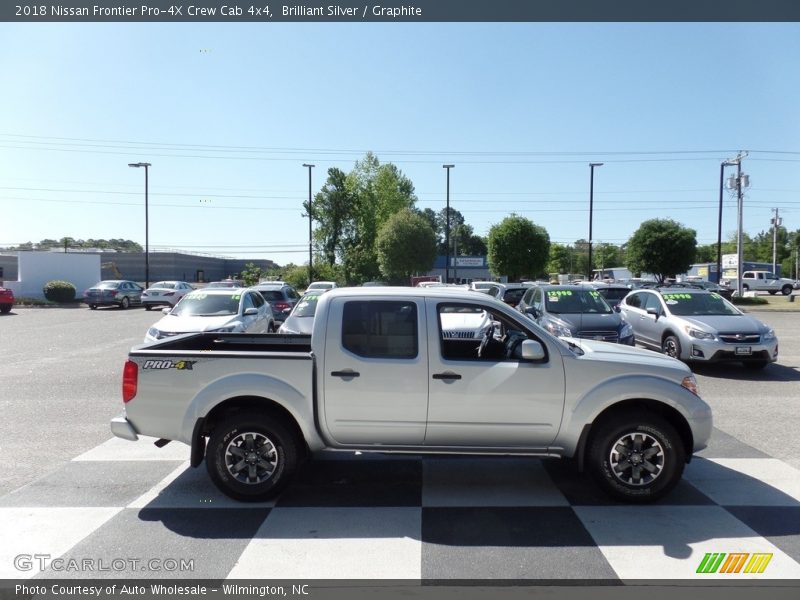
(251, 274)
(333, 210)
(606, 255)
(561, 259)
(517, 247)
(706, 253)
(406, 245)
(662, 247)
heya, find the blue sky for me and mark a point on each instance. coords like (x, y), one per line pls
(227, 114)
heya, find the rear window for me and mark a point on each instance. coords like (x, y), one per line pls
(380, 329)
(271, 295)
(514, 295)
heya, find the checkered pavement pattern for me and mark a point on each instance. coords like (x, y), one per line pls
(348, 516)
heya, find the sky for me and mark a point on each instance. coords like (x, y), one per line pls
(227, 113)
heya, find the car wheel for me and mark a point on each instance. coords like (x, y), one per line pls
(755, 365)
(93, 306)
(786, 290)
(636, 457)
(251, 456)
(271, 328)
(148, 307)
(773, 292)
(125, 303)
(671, 346)
(5, 308)
(745, 287)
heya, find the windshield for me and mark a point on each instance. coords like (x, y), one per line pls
(514, 295)
(687, 305)
(200, 304)
(167, 285)
(613, 294)
(307, 306)
(575, 302)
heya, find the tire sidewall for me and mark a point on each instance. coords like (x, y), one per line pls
(677, 343)
(215, 458)
(674, 460)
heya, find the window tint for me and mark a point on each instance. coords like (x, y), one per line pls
(463, 327)
(258, 299)
(634, 300)
(651, 301)
(272, 295)
(380, 329)
(528, 296)
(248, 302)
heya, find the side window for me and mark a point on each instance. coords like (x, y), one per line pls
(651, 301)
(528, 297)
(292, 293)
(258, 300)
(380, 329)
(748, 276)
(248, 302)
(634, 300)
(537, 300)
(474, 332)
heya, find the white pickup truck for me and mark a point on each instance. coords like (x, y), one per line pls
(764, 281)
(382, 373)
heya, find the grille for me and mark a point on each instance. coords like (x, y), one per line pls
(459, 334)
(603, 336)
(740, 338)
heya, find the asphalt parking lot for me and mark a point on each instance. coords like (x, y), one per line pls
(61, 376)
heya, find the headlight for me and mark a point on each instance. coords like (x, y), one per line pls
(558, 330)
(226, 329)
(154, 333)
(769, 336)
(700, 335)
(626, 331)
(690, 383)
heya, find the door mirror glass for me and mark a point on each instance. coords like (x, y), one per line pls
(653, 311)
(250, 311)
(532, 350)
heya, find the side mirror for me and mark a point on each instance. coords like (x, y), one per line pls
(167, 310)
(250, 311)
(653, 311)
(532, 312)
(532, 350)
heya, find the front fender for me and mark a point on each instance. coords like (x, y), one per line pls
(611, 392)
(297, 402)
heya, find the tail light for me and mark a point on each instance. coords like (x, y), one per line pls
(280, 306)
(130, 380)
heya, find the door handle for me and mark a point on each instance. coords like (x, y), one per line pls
(447, 376)
(345, 373)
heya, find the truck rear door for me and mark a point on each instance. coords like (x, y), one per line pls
(375, 371)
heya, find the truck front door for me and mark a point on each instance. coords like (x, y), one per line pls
(493, 400)
(375, 371)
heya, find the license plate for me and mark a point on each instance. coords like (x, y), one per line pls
(744, 350)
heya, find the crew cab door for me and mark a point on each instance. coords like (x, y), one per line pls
(494, 400)
(375, 371)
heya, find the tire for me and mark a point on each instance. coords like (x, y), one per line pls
(660, 452)
(786, 290)
(671, 346)
(773, 292)
(5, 308)
(148, 307)
(93, 306)
(270, 438)
(271, 328)
(755, 365)
(745, 287)
(125, 303)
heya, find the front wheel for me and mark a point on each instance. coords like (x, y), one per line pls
(5, 308)
(148, 307)
(251, 456)
(671, 346)
(745, 287)
(93, 306)
(636, 457)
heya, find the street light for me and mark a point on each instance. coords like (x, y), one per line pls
(146, 224)
(447, 228)
(310, 256)
(591, 208)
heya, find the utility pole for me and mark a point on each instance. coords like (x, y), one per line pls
(310, 233)
(776, 222)
(447, 228)
(741, 181)
(591, 209)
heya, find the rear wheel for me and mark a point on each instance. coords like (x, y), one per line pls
(125, 303)
(93, 306)
(148, 307)
(251, 456)
(636, 457)
(745, 287)
(5, 308)
(786, 290)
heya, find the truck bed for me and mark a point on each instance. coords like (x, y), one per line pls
(231, 342)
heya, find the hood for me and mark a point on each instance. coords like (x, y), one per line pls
(172, 324)
(727, 323)
(590, 321)
(299, 325)
(605, 351)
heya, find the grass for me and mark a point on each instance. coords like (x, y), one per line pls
(23, 301)
(776, 303)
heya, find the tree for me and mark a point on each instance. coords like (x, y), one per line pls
(333, 210)
(706, 253)
(406, 245)
(662, 247)
(606, 255)
(518, 247)
(561, 259)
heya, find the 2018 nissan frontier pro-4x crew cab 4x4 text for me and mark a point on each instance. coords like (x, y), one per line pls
(381, 373)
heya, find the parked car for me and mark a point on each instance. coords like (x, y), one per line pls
(111, 292)
(322, 285)
(763, 281)
(226, 283)
(219, 310)
(6, 300)
(301, 318)
(281, 297)
(165, 293)
(612, 292)
(723, 290)
(575, 311)
(696, 325)
(512, 293)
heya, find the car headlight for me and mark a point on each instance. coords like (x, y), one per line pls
(690, 383)
(769, 336)
(700, 335)
(154, 333)
(558, 330)
(226, 329)
(626, 331)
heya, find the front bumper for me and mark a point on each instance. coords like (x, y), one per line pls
(709, 351)
(121, 427)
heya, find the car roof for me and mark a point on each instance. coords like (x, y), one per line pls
(221, 291)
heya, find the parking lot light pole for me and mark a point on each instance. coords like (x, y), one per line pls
(146, 224)
(310, 234)
(447, 228)
(591, 209)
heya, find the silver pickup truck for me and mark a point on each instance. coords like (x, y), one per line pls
(388, 370)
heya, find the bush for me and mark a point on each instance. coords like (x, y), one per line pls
(59, 291)
(749, 301)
